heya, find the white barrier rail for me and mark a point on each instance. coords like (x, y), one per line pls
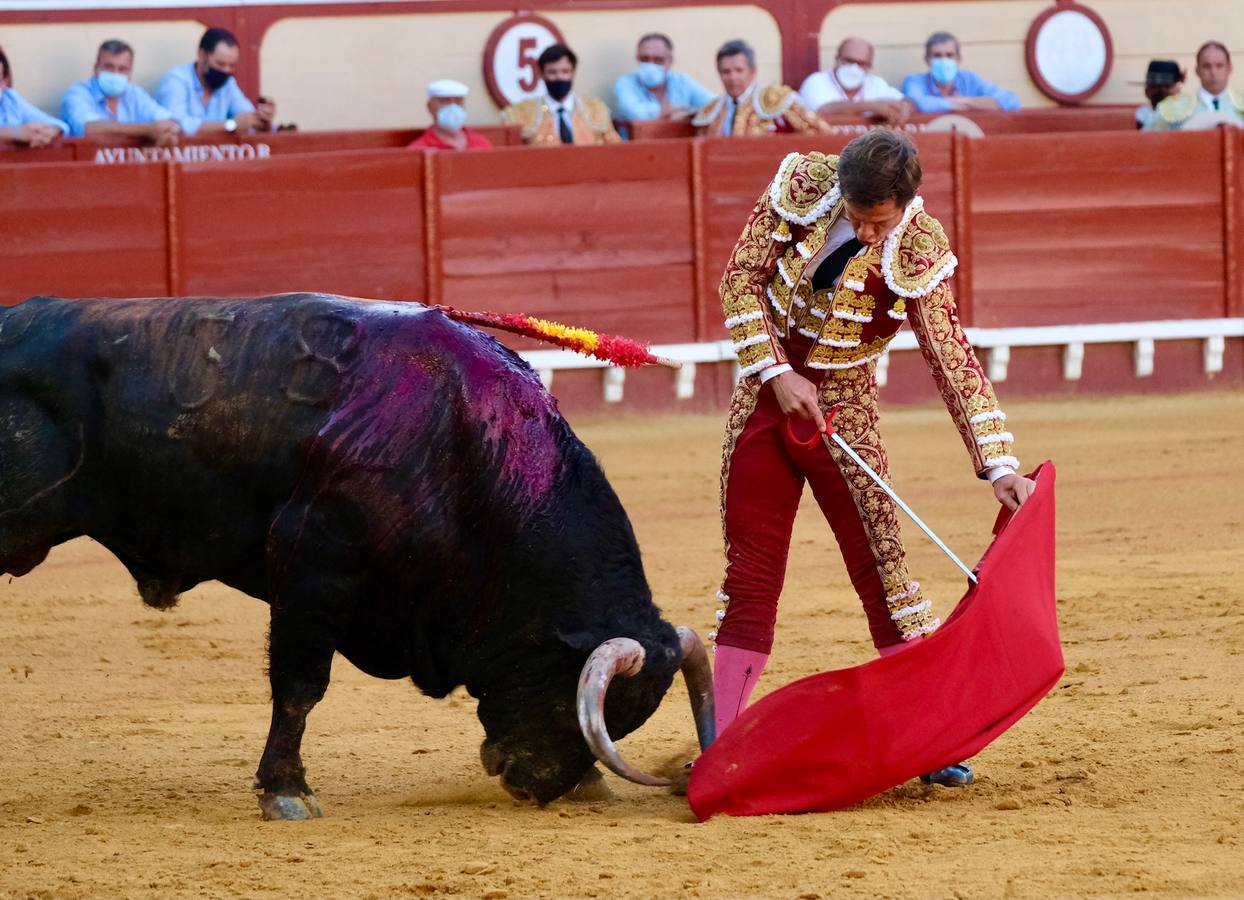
(995, 342)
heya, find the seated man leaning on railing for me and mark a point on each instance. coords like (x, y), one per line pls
(748, 108)
(447, 106)
(948, 88)
(109, 103)
(21, 120)
(205, 97)
(851, 89)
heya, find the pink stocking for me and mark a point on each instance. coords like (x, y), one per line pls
(735, 673)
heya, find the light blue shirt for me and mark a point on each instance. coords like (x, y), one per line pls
(922, 90)
(636, 103)
(181, 93)
(85, 103)
(16, 111)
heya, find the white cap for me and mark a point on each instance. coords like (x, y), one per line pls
(447, 87)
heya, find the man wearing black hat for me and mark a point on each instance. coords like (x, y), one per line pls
(1162, 79)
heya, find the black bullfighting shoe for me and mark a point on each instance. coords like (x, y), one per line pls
(952, 776)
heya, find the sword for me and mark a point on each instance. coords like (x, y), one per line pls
(855, 457)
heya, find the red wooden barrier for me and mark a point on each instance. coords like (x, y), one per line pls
(1096, 228)
(348, 223)
(601, 235)
(79, 231)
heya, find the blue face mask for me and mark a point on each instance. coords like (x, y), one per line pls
(650, 74)
(113, 84)
(944, 69)
(451, 117)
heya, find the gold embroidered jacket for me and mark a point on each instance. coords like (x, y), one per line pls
(1173, 112)
(766, 295)
(590, 121)
(760, 111)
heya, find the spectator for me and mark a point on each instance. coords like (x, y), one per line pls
(204, 96)
(1163, 79)
(946, 87)
(108, 103)
(653, 90)
(446, 105)
(561, 117)
(851, 88)
(747, 109)
(1215, 97)
(21, 120)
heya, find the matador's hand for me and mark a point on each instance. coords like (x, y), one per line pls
(797, 397)
(1013, 490)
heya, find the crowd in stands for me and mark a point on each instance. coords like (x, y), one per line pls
(203, 97)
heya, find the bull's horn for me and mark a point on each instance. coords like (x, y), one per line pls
(616, 656)
(699, 677)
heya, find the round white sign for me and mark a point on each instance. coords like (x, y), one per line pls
(510, 68)
(1070, 52)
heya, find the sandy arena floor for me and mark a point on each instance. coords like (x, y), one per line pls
(129, 737)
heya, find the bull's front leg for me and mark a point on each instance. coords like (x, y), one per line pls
(310, 607)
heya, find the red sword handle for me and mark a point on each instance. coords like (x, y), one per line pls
(816, 435)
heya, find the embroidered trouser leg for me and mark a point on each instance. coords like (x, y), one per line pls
(762, 478)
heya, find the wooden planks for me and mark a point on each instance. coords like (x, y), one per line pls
(1098, 227)
(348, 223)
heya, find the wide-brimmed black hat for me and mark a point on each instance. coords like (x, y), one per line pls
(1162, 71)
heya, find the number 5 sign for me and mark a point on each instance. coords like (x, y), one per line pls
(510, 69)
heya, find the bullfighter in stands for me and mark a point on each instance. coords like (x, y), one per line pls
(561, 116)
(747, 108)
(837, 254)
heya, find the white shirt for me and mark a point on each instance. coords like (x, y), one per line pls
(1224, 100)
(820, 88)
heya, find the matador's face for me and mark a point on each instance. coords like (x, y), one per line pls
(873, 223)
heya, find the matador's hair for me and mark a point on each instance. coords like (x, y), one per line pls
(877, 166)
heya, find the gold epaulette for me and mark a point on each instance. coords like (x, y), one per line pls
(598, 114)
(805, 187)
(527, 114)
(916, 257)
(1237, 100)
(774, 99)
(1174, 110)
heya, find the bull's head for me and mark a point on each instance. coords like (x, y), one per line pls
(540, 754)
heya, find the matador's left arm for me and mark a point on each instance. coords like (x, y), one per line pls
(965, 389)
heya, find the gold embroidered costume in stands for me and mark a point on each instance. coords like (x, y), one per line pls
(759, 111)
(590, 121)
(770, 306)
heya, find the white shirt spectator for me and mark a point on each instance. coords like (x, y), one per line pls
(820, 88)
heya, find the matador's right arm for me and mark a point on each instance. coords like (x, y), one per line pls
(743, 291)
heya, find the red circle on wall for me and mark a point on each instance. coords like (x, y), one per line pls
(1069, 52)
(510, 55)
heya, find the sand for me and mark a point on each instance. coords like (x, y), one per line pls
(128, 737)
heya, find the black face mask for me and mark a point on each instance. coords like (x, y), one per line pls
(558, 88)
(215, 79)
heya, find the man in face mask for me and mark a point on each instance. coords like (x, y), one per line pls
(109, 103)
(947, 88)
(447, 106)
(205, 97)
(561, 117)
(851, 89)
(653, 90)
(21, 120)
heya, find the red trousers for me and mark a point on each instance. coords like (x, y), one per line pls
(763, 478)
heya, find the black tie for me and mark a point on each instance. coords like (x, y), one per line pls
(1215, 103)
(563, 126)
(826, 274)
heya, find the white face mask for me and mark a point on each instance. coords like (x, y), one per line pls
(850, 75)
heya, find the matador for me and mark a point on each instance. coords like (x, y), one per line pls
(838, 253)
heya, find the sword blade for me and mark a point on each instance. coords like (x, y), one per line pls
(903, 506)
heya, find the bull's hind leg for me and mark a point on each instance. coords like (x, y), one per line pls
(308, 614)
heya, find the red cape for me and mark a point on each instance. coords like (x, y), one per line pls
(831, 740)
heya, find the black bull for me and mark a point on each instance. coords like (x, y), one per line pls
(397, 487)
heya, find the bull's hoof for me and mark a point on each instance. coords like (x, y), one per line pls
(590, 789)
(290, 809)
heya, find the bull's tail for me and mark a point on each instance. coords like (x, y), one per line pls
(618, 351)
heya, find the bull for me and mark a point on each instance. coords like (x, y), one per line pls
(398, 487)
